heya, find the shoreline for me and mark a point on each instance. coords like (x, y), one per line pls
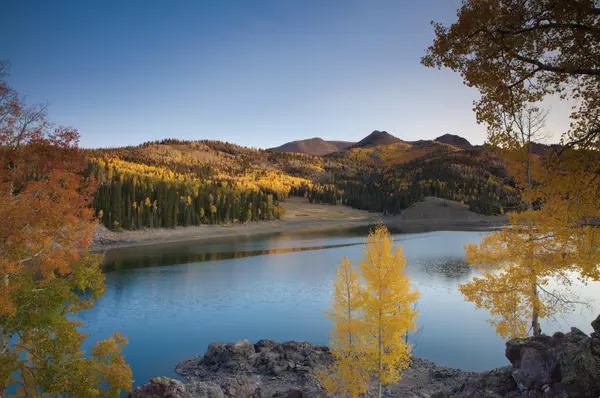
(542, 366)
(426, 216)
(105, 240)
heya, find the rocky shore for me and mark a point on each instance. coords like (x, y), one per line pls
(564, 365)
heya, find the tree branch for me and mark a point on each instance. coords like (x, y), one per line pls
(556, 69)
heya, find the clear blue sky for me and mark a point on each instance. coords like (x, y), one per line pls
(256, 73)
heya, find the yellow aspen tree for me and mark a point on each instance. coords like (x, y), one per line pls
(541, 244)
(388, 311)
(349, 374)
(539, 60)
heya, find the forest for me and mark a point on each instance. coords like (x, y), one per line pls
(172, 183)
(514, 53)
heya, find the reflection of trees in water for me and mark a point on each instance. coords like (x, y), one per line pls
(173, 257)
(453, 269)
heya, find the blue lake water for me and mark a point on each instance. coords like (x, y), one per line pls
(172, 300)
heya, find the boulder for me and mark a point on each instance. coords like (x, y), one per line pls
(161, 387)
(596, 326)
(265, 369)
(228, 356)
(535, 362)
(565, 365)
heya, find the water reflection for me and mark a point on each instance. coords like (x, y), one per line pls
(172, 312)
(232, 248)
(171, 257)
(451, 269)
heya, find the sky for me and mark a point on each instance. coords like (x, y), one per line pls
(257, 73)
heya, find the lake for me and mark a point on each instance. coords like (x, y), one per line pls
(172, 300)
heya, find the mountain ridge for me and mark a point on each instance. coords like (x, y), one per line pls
(317, 146)
(312, 146)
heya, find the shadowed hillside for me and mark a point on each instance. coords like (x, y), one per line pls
(342, 144)
(312, 146)
(171, 182)
(454, 140)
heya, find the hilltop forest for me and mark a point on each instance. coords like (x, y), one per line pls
(173, 183)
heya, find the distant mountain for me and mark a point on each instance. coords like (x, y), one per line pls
(312, 146)
(376, 138)
(454, 140)
(342, 144)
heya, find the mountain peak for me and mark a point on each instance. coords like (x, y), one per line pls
(376, 138)
(455, 140)
(312, 146)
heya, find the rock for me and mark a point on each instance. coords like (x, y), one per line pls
(564, 365)
(580, 366)
(296, 392)
(206, 390)
(264, 344)
(242, 387)
(596, 326)
(265, 369)
(161, 387)
(535, 362)
(231, 356)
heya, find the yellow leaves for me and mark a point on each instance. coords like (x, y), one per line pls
(519, 260)
(387, 304)
(371, 313)
(350, 372)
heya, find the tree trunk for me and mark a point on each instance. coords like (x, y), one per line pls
(379, 346)
(535, 321)
(535, 317)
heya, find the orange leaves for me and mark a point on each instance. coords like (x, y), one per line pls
(7, 307)
(45, 272)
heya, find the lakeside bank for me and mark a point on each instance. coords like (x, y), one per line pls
(431, 214)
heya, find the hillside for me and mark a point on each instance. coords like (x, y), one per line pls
(341, 144)
(312, 146)
(454, 140)
(173, 183)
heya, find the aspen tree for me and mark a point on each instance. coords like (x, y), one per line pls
(349, 374)
(387, 307)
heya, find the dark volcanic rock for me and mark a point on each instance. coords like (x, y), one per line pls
(596, 326)
(267, 369)
(566, 365)
(287, 370)
(161, 387)
(535, 362)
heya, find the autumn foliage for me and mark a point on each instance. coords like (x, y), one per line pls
(518, 53)
(46, 273)
(372, 312)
